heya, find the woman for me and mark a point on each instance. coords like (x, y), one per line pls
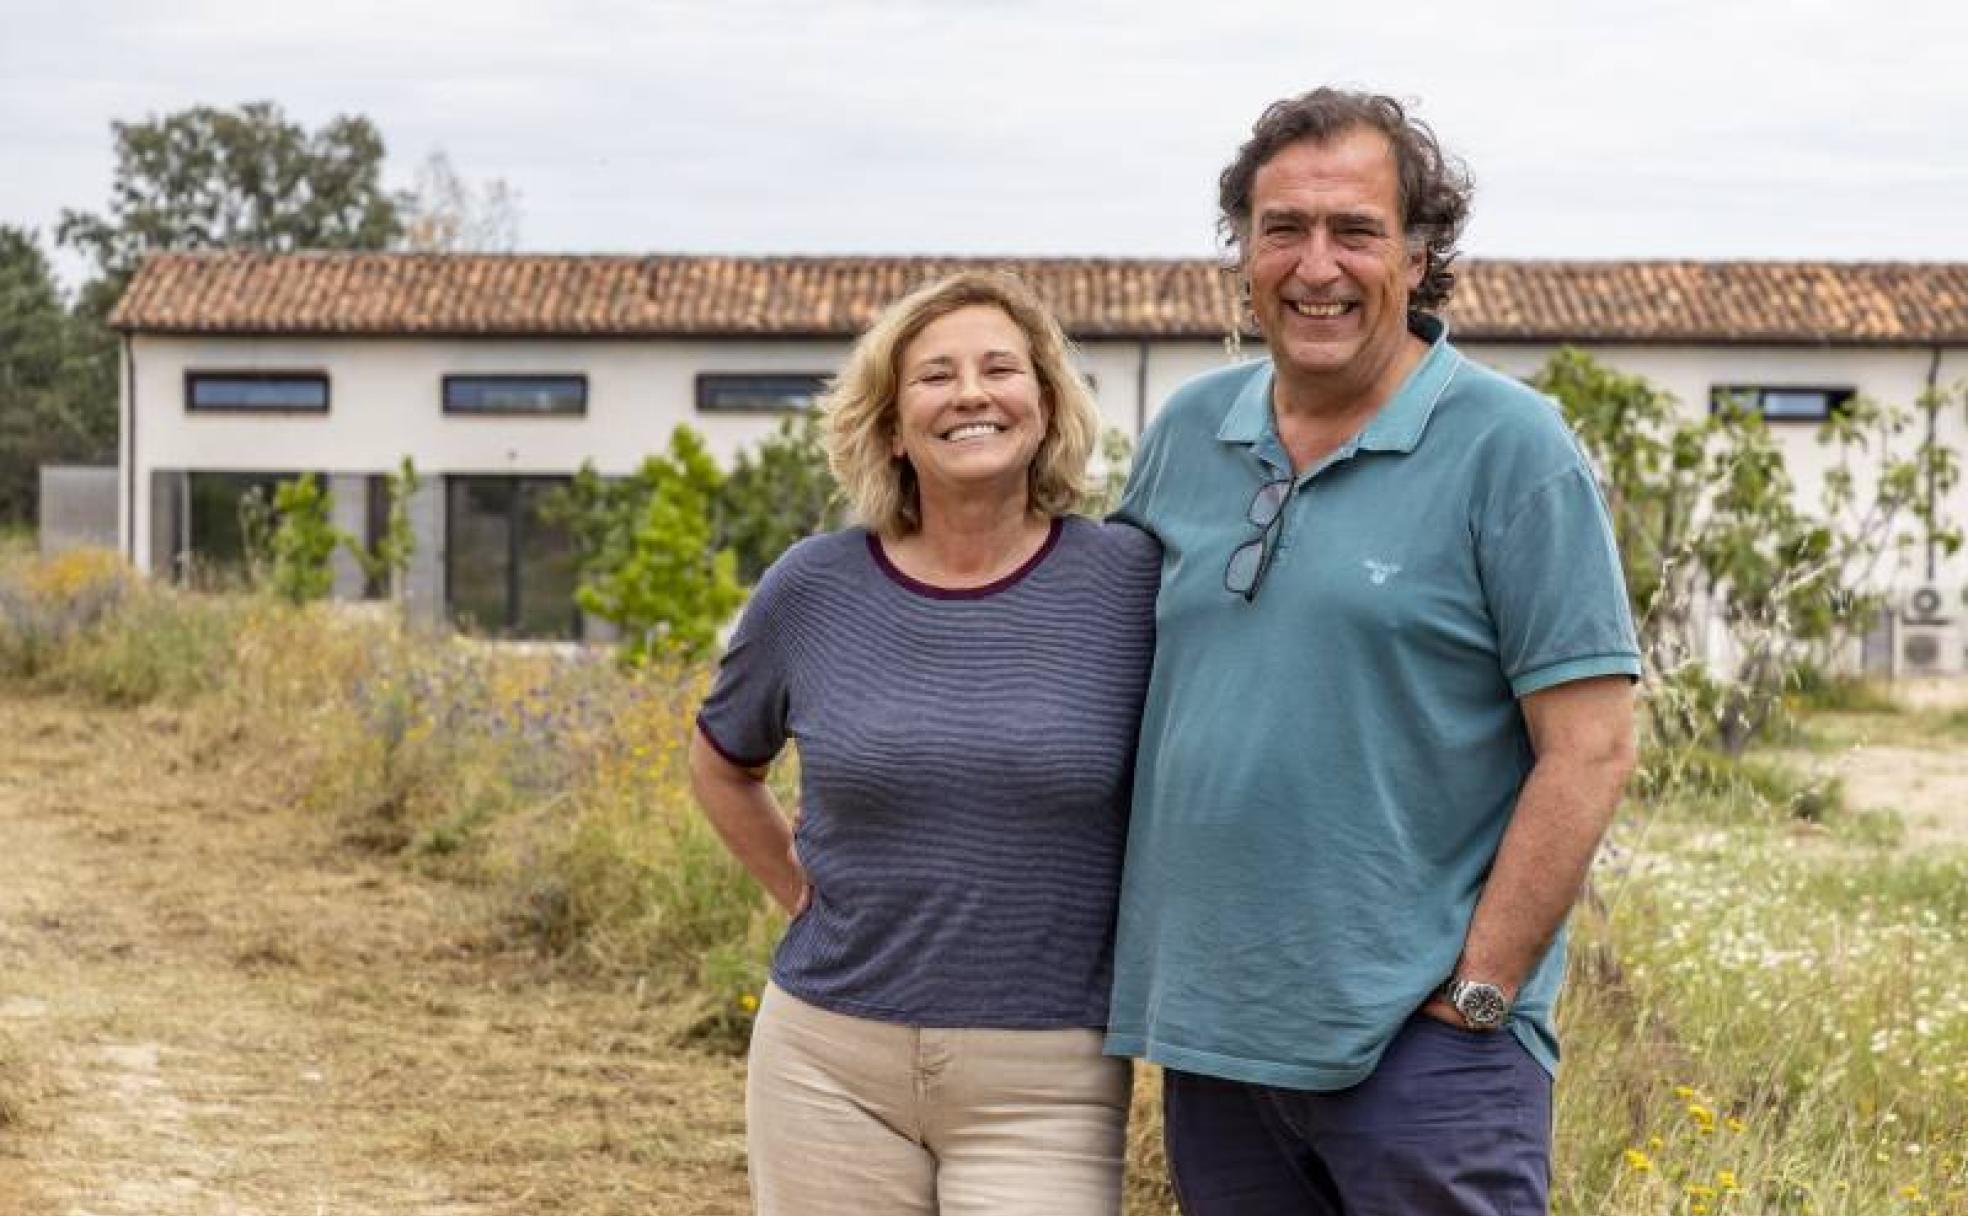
(964, 674)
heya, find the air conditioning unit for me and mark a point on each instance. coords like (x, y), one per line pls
(1930, 644)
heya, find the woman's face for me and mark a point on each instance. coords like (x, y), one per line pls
(969, 413)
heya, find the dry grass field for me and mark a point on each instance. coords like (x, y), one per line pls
(213, 1004)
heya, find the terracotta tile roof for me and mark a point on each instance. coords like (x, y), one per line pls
(1838, 303)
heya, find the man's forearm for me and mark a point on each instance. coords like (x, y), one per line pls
(1561, 815)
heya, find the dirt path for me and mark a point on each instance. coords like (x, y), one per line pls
(212, 1007)
(1927, 786)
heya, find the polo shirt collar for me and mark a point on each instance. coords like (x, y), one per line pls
(1396, 427)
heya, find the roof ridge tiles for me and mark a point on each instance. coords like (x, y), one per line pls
(653, 294)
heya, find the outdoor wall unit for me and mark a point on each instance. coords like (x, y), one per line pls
(1931, 641)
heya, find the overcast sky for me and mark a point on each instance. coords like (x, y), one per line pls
(1712, 129)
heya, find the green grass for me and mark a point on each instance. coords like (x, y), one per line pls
(17, 542)
(1795, 1017)
(1815, 692)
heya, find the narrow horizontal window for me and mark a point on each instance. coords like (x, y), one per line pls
(1780, 404)
(515, 394)
(300, 392)
(774, 392)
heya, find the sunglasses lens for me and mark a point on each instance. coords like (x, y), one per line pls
(1241, 575)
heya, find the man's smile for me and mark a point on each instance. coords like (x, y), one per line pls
(1319, 311)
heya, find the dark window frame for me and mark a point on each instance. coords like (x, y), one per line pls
(579, 379)
(515, 542)
(708, 383)
(375, 525)
(192, 515)
(1837, 398)
(193, 376)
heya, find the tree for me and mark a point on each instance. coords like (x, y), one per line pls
(648, 557)
(48, 407)
(387, 564)
(778, 492)
(1711, 529)
(446, 214)
(208, 178)
(303, 542)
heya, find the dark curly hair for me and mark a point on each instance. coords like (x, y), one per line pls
(1435, 187)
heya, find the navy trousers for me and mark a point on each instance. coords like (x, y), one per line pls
(1452, 1122)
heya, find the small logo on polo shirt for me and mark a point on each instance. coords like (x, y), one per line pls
(1380, 572)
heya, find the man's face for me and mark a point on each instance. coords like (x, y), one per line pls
(1329, 267)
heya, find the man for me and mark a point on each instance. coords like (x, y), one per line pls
(1390, 715)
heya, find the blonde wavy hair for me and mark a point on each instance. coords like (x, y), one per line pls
(860, 408)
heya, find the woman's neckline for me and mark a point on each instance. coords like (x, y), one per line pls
(982, 590)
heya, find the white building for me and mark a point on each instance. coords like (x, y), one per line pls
(499, 375)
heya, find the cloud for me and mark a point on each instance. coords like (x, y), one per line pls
(1623, 129)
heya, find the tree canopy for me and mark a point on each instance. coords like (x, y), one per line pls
(210, 178)
(52, 406)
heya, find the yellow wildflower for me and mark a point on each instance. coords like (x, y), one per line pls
(748, 1002)
(1638, 1161)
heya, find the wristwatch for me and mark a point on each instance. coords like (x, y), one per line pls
(1481, 1005)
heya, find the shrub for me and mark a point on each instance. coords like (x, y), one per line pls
(648, 561)
(303, 542)
(778, 492)
(1711, 530)
(46, 604)
(635, 879)
(160, 644)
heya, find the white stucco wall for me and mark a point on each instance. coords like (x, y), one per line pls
(385, 403)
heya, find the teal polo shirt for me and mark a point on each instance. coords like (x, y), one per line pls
(1324, 773)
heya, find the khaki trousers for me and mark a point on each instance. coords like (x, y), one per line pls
(855, 1117)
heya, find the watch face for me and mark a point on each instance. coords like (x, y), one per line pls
(1481, 1004)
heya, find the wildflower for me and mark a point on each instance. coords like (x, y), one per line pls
(1733, 1124)
(1726, 1179)
(748, 1002)
(1685, 1092)
(1699, 1190)
(1638, 1161)
(1910, 1193)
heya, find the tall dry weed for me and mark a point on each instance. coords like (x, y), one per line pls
(16, 1085)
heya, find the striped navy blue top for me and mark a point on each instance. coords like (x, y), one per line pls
(965, 758)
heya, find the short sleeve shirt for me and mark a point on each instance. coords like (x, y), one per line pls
(1325, 771)
(965, 761)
